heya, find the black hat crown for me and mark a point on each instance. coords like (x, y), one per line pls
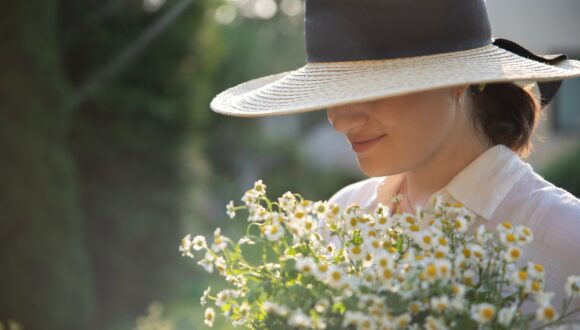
(350, 30)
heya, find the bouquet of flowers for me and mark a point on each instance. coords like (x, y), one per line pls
(383, 269)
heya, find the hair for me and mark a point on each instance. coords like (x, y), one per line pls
(507, 114)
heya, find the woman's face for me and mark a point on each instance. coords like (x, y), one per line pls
(405, 131)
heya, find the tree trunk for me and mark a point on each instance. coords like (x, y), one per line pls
(44, 276)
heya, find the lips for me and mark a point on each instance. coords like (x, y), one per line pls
(363, 144)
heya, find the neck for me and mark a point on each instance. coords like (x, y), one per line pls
(421, 182)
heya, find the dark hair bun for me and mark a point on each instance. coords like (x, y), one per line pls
(507, 113)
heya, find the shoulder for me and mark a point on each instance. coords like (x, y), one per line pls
(545, 192)
(359, 192)
(547, 203)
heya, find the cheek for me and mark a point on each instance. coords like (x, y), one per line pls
(414, 134)
(426, 130)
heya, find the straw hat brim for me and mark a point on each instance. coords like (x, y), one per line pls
(318, 85)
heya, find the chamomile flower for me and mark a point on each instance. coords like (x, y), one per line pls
(336, 277)
(430, 273)
(259, 188)
(305, 265)
(231, 210)
(477, 252)
(257, 213)
(220, 265)
(434, 323)
(209, 316)
(458, 290)
(309, 225)
(519, 277)
(250, 197)
(382, 210)
(246, 240)
(321, 270)
(536, 270)
(525, 234)
(207, 262)
(483, 313)
(198, 243)
(469, 277)
(223, 297)
(544, 298)
(546, 313)
(443, 267)
(439, 304)
(320, 208)
(415, 307)
(357, 252)
(505, 227)
(533, 286)
(298, 319)
(513, 254)
(332, 210)
(274, 231)
(482, 235)
(203, 299)
(460, 224)
(322, 305)
(506, 315)
(385, 260)
(269, 306)
(573, 286)
(186, 245)
(219, 240)
(287, 201)
(508, 238)
(426, 239)
(403, 321)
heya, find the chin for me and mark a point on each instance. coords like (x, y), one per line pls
(373, 168)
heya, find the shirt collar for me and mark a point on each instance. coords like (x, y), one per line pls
(485, 182)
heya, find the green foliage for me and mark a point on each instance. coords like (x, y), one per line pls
(565, 172)
(128, 139)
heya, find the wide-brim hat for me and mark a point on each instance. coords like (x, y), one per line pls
(360, 50)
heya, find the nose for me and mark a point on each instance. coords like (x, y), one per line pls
(345, 118)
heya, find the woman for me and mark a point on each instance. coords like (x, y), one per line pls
(431, 104)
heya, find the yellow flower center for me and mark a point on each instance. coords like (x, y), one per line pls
(387, 273)
(510, 237)
(431, 270)
(336, 276)
(487, 313)
(522, 275)
(515, 253)
(549, 313)
(467, 252)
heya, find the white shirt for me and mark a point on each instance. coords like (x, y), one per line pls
(499, 186)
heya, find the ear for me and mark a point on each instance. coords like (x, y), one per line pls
(458, 91)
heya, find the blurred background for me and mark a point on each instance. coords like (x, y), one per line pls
(109, 153)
